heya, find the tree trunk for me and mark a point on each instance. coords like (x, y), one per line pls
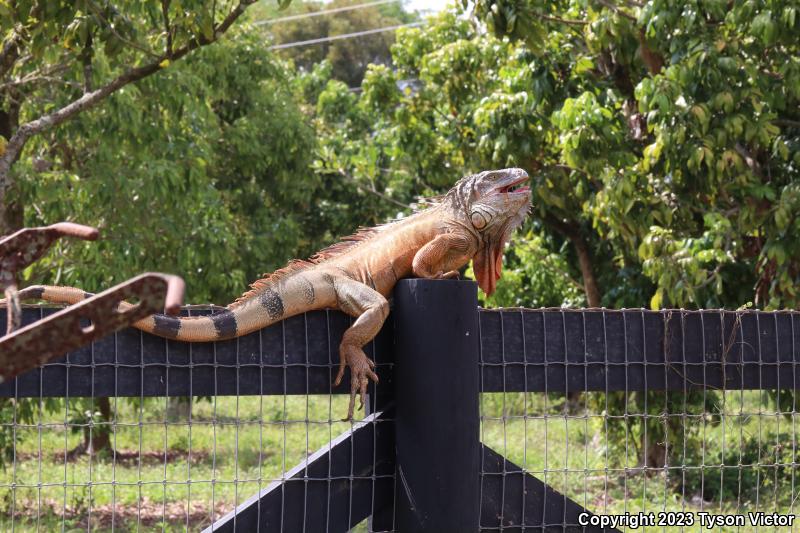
(573, 232)
(11, 211)
(99, 438)
(654, 453)
(179, 408)
(587, 272)
(572, 403)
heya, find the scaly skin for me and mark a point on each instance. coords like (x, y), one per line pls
(472, 221)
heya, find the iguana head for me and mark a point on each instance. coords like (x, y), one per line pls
(494, 203)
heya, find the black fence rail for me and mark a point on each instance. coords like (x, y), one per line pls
(296, 356)
(635, 350)
(421, 460)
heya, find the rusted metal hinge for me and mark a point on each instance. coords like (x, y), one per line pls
(33, 345)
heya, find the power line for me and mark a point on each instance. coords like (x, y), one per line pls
(343, 36)
(324, 12)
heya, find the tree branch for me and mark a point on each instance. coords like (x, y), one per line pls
(380, 195)
(616, 9)
(9, 54)
(587, 271)
(566, 168)
(561, 20)
(167, 27)
(110, 26)
(751, 161)
(86, 59)
(651, 58)
(39, 75)
(786, 123)
(89, 99)
(41, 79)
(9, 118)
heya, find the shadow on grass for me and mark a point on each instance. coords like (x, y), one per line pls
(52, 515)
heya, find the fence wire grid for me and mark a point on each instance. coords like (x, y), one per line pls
(689, 417)
(175, 456)
(675, 413)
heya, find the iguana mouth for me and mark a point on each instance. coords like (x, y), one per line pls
(514, 187)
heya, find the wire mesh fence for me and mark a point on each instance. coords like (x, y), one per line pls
(141, 433)
(676, 419)
(672, 419)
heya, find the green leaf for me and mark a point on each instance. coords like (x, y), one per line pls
(656, 300)
(584, 64)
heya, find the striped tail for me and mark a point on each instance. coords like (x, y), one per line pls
(247, 316)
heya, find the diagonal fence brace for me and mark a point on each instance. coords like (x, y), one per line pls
(514, 501)
(88, 320)
(335, 489)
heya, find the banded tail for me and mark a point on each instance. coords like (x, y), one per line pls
(259, 310)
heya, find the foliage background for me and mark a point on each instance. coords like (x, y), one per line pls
(662, 141)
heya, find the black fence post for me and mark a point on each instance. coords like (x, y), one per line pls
(436, 392)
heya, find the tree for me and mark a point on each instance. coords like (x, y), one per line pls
(454, 120)
(685, 117)
(348, 57)
(662, 139)
(59, 59)
(703, 100)
(587, 102)
(201, 171)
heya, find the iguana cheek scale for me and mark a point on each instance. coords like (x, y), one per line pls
(356, 275)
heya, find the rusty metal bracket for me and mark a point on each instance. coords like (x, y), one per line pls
(23, 248)
(88, 320)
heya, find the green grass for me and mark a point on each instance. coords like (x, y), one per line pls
(738, 462)
(231, 450)
(188, 474)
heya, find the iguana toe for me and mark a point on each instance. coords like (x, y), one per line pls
(361, 372)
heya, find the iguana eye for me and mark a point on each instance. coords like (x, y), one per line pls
(478, 220)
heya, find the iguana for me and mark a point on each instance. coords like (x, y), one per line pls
(356, 275)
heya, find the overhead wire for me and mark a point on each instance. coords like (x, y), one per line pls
(266, 22)
(344, 36)
(351, 35)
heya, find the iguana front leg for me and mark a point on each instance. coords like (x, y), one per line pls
(370, 309)
(443, 256)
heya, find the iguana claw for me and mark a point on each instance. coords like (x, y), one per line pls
(361, 371)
